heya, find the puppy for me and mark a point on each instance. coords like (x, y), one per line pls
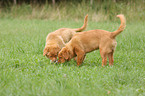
(57, 39)
(84, 42)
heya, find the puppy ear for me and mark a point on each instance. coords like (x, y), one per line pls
(66, 55)
(56, 50)
(48, 53)
(45, 52)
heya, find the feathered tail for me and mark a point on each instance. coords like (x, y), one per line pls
(84, 26)
(121, 28)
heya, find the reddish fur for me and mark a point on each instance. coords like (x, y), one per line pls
(85, 42)
(57, 39)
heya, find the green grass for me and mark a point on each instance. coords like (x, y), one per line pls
(25, 72)
(98, 11)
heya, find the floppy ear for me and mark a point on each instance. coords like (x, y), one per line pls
(48, 53)
(66, 54)
(45, 51)
(56, 50)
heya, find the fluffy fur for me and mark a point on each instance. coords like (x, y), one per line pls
(84, 42)
(57, 39)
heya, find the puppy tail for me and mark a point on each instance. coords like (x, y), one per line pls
(84, 26)
(121, 28)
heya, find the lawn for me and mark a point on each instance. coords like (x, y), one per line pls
(25, 72)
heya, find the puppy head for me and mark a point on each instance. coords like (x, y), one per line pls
(64, 55)
(51, 52)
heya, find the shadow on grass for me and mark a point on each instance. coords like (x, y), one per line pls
(87, 63)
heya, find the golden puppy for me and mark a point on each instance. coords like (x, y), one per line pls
(84, 42)
(57, 39)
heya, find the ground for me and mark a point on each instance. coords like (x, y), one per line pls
(25, 72)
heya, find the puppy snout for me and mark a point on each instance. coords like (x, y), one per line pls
(54, 59)
(59, 61)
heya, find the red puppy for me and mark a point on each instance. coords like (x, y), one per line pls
(84, 42)
(57, 39)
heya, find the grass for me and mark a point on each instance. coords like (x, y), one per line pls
(25, 72)
(98, 11)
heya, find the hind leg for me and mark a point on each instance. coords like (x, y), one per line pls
(104, 57)
(111, 60)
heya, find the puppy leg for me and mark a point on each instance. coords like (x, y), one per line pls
(80, 56)
(111, 60)
(75, 58)
(104, 60)
(104, 57)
